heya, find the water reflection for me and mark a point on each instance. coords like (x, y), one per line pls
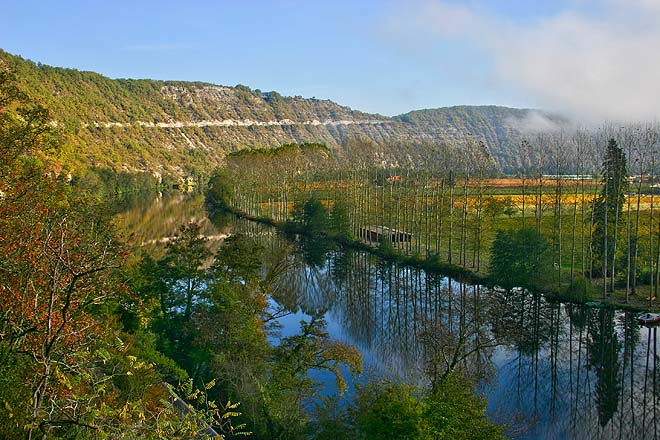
(549, 370)
(152, 222)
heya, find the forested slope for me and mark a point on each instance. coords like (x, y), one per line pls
(173, 127)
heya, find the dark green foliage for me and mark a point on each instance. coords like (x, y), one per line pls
(240, 260)
(454, 412)
(15, 369)
(579, 290)
(604, 346)
(340, 224)
(608, 209)
(219, 191)
(387, 410)
(312, 216)
(520, 258)
(386, 248)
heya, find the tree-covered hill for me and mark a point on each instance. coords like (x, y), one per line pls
(174, 127)
(501, 128)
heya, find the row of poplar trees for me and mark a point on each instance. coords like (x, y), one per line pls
(589, 196)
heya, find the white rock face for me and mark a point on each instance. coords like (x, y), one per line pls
(239, 123)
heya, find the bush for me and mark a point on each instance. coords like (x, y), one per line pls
(520, 258)
(312, 215)
(340, 224)
(219, 192)
(579, 290)
(387, 410)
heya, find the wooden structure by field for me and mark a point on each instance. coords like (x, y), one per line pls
(375, 234)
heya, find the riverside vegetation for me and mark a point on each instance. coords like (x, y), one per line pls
(562, 224)
(100, 341)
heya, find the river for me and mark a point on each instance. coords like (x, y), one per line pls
(548, 369)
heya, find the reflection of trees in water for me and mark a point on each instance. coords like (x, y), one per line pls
(603, 351)
(650, 393)
(522, 319)
(383, 308)
(586, 379)
(161, 217)
(314, 251)
(560, 370)
(459, 340)
(573, 371)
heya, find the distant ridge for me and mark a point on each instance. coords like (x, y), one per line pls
(178, 127)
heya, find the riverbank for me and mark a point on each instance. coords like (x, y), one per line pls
(432, 264)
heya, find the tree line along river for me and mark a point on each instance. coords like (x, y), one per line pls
(548, 369)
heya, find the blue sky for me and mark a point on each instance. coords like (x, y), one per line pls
(378, 56)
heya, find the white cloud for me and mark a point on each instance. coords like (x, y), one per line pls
(535, 122)
(598, 65)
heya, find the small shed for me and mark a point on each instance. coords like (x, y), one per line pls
(376, 234)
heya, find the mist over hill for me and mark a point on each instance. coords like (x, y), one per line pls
(175, 127)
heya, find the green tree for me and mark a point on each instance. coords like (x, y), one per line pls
(608, 209)
(390, 410)
(312, 216)
(220, 190)
(454, 412)
(290, 385)
(520, 258)
(185, 277)
(239, 260)
(340, 223)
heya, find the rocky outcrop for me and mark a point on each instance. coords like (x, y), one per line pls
(183, 127)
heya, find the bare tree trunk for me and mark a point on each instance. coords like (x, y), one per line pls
(605, 245)
(398, 208)
(582, 207)
(439, 217)
(478, 237)
(557, 237)
(574, 232)
(614, 248)
(591, 235)
(636, 245)
(416, 218)
(653, 286)
(464, 221)
(391, 202)
(451, 218)
(427, 216)
(628, 231)
(524, 187)
(539, 206)
(406, 214)
(382, 203)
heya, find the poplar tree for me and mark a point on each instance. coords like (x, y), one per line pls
(607, 208)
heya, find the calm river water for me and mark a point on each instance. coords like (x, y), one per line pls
(548, 370)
